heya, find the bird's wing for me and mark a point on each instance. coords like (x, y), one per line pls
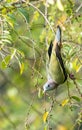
(50, 49)
(58, 55)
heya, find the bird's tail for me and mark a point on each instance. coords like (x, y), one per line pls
(58, 34)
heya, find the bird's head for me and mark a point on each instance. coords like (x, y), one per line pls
(49, 85)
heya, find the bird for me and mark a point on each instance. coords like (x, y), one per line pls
(56, 73)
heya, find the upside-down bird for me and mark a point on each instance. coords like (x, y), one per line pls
(56, 72)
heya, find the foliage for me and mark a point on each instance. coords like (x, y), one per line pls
(26, 29)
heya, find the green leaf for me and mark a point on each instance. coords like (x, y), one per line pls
(50, 2)
(24, 13)
(76, 98)
(6, 61)
(6, 41)
(76, 65)
(64, 102)
(21, 68)
(3, 64)
(40, 93)
(11, 20)
(36, 16)
(45, 115)
(4, 11)
(60, 5)
(13, 53)
(20, 53)
(74, 107)
(12, 17)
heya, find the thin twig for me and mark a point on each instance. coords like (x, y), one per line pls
(77, 88)
(78, 8)
(69, 92)
(30, 4)
(77, 123)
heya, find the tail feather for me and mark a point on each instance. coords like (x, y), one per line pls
(58, 34)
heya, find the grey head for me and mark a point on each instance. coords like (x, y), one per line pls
(49, 85)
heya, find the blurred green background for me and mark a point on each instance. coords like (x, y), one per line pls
(26, 29)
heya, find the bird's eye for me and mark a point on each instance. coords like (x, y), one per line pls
(48, 85)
